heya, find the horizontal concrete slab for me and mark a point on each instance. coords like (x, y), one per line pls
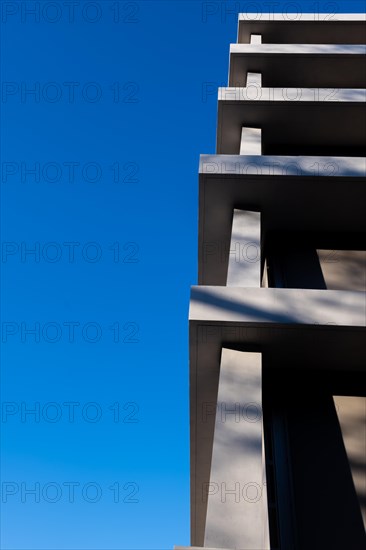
(302, 28)
(312, 121)
(282, 188)
(274, 165)
(278, 305)
(293, 95)
(289, 50)
(301, 65)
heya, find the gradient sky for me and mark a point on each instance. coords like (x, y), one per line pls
(123, 103)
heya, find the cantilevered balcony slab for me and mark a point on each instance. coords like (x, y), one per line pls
(292, 329)
(302, 28)
(297, 194)
(299, 65)
(294, 121)
(279, 306)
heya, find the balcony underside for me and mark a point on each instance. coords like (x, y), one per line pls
(291, 65)
(293, 194)
(303, 121)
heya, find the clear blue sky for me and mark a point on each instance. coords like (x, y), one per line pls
(123, 103)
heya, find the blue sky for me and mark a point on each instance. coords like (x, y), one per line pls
(99, 179)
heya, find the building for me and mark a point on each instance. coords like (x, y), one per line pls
(277, 322)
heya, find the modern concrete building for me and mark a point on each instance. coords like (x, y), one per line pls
(278, 320)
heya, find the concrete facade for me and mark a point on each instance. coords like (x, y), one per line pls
(278, 319)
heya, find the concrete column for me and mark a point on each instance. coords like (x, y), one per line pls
(245, 250)
(256, 39)
(237, 498)
(254, 79)
(251, 141)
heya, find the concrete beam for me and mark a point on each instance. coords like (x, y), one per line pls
(245, 250)
(237, 502)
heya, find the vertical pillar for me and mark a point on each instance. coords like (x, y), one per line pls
(254, 79)
(244, 257)
(256, 39)
(237, 503)
(251, 141)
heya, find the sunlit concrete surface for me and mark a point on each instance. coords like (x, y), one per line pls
(245, 246)
(256, 39)
(236, 495)
(253, 79)
(251, 141)
(284, 165)
(351, 413)
(343, 269)
(278, 305)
